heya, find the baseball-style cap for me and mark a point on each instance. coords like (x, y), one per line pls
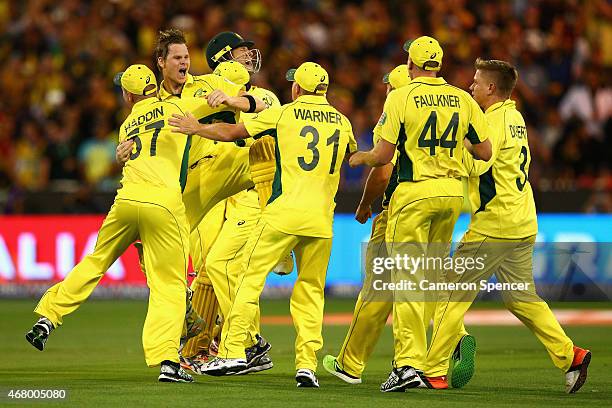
(135, 79)
(233, 71)
(221, 44)
(425, 52)
(398, 77)
(309, 76)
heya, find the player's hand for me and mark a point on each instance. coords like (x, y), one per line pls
(357, 159)
(363, 213)
(124, 151)
(216, 98)
(187, 124)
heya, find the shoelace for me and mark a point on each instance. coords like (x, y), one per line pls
(393, 378)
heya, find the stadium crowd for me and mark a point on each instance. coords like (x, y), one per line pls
(60, 108)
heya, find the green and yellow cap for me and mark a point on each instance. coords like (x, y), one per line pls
(398, 77)
(233, 71)
(137, 79)
(310, 76)
(425, 52)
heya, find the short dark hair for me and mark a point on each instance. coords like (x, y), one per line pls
(165, 39)
(503, 74)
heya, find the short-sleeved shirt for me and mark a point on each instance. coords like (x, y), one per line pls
(428, 120)
(500, 194)
(158, 157)
(312, 138)
(192, 100)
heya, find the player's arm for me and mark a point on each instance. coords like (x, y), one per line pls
(124, 148)
(243, 102)
(375, 186)
(477, 134)
(223, 132)
(378, 156)
(123, 151)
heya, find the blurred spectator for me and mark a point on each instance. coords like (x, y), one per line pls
(59, 57)
(97, 156)
(30, 166)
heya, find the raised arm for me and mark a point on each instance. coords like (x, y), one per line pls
(223, 132)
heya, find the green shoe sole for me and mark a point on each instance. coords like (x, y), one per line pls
(463, 357)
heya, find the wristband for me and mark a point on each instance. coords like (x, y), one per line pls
(252, 103)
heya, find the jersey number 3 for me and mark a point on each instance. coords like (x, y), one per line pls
(519, 184)
(157, 127)
(312, 146)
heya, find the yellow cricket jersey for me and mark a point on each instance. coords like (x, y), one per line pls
(392, 185)
(192, 100)
(312, 138)
(428, 120)
(158, 160)
(245, 204)
(499, 190)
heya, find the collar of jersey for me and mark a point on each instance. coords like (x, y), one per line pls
(508, 103)
(145, 102)
(428, 81)
(316, 99)
(163, 94)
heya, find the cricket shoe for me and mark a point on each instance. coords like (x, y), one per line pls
(261, 364)
(190, 364)
(224, 366)
(463, 361)
(256, 351)
(330, 363)
(306, 378)
(576, 376)
(172, 372)
(39, 333)
(400, 379)
(432, 383)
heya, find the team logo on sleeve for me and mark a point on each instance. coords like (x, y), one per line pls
(382, 120)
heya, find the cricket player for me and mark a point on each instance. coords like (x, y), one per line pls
(298, 216)
(503, 231)
(240, 59)
(215, 170)
(423, 121)
(370, 315)
(223, 263)
(148, 206)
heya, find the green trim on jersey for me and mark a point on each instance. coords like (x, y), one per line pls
(185, 164)
(486, 189)
(277, 187)
(393, 183)
(472, 135)
(224, 116)
(404, 164)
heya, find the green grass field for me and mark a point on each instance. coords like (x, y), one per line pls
(97, 357)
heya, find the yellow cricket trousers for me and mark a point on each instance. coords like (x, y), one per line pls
(511, 261)
(224, 261)
(163, 230)
(419, 214)
(265, 248)
(204, 300)
(370, 316)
